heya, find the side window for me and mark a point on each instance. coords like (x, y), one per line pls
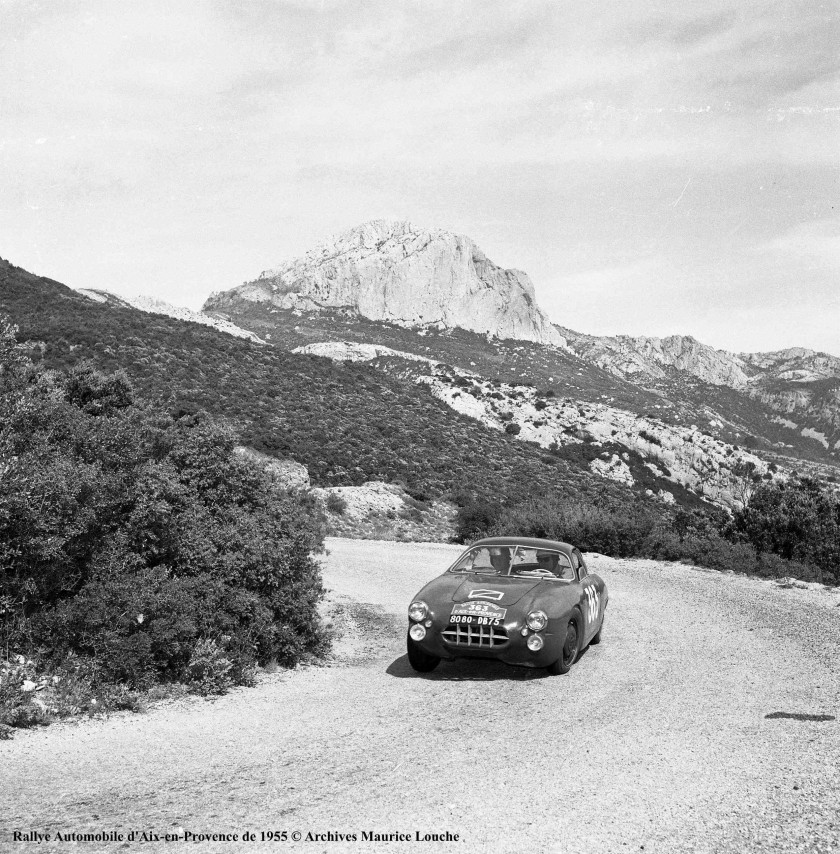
(580, 566)
(564, 569)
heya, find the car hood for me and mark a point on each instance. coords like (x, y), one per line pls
(483, 588)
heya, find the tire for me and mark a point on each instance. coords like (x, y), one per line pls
(569, 653)
(421, 661)
(596, 639)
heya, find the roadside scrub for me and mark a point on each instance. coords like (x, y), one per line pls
(710, 538)
(138, 553)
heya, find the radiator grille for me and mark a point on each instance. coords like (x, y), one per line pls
(466, 634)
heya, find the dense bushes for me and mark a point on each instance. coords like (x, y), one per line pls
(797, 520)
(139, 543)
(707, 538)
(588, 526)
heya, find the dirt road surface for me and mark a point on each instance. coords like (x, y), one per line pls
(657, 741)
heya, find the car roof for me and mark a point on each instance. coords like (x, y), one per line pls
(528, 542)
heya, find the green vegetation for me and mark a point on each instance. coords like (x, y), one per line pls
(335, 503)
(798, 520)
(136, 549)
(790, 530)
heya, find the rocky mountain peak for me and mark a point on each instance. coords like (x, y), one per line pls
(397, 272)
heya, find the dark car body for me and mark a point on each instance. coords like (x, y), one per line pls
(477, 609)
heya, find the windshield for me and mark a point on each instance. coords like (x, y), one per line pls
(515, 561)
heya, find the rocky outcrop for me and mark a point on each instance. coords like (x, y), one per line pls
(644, 358)
(686, 456)
(104, 297)
(384, 511)
(402, 274)
(290, 474)
(796, 364)
(354, 351)
(613, 468)
(155, 306)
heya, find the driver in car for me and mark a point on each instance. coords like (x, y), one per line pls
(500, 559)
(549, 561)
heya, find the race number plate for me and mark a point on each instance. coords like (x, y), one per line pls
(478, 614)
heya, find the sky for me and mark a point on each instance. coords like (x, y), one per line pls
(655, 168)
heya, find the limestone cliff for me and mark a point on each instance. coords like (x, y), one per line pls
(398, 273)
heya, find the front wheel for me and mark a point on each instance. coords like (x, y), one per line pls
(420, 660)
(571, 648)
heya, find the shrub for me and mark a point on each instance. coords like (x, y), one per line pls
(798, 520)
(128, 539)
(513, 429)
(19, 682)
(419, 494)
(475, 519)
(209, 668)
(649, 437)
(336, 504)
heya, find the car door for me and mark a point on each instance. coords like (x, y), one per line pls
(591, 597)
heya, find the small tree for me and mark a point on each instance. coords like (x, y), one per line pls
(746, 480)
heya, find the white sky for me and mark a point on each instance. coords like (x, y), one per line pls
(653, 171)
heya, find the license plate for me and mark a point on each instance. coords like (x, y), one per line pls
(478, 614)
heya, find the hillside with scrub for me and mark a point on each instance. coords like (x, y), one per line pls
(137, 550)
(347, 423)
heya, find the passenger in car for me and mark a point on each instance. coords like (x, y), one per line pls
(548, 560)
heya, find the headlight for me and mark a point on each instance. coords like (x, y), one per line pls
(536, 621)
(417, 611)
(535, 643)
(417, 632)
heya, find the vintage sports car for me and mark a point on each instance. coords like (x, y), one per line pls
(523, 601)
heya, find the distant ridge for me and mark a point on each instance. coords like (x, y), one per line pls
(795, 381)
(628, 356)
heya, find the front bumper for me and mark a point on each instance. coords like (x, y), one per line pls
(515, 651)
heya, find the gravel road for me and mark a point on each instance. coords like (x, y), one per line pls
(658, 739)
